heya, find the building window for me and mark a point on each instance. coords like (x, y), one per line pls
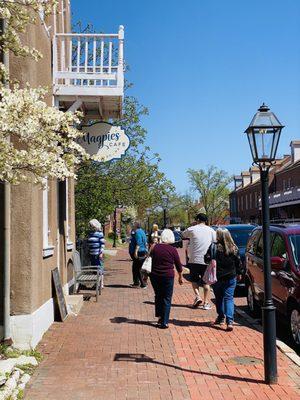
(284, 184)
(256, 200)
(48, 249)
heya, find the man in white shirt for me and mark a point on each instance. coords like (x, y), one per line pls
(201, 237)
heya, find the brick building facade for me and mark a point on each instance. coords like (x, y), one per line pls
(284, 189)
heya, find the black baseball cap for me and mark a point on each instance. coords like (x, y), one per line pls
(201, 217)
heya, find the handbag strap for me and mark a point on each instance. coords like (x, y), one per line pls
(213, 251)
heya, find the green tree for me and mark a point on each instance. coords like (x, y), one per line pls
(134, 181)
(212, 186)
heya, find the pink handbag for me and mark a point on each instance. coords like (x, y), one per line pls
(210, 275)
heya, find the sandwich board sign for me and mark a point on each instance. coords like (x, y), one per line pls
(60, 297)
(104, 141)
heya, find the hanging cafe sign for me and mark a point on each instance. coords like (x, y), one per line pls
(104, 141)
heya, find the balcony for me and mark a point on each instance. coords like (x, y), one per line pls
(88, 73)
(287, 197)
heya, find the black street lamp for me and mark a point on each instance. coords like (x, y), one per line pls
(263, 135)
(165, 203)
(115, 225)
(148, 212)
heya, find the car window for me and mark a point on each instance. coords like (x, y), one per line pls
(260, 247)
(295, 245)
(252, 242)
(240, 236)
(278, 247)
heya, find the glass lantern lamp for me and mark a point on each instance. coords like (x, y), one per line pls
(263, 136)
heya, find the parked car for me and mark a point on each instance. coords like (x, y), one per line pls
(240, 234)
(285, 264)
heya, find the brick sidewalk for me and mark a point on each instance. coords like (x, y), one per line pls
(113, 351)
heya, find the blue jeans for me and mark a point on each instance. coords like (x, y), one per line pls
(163, 289)
(224, 291)
(95, 261)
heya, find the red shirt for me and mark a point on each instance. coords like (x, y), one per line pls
(164, 257)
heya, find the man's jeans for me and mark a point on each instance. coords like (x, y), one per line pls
(224, 291)
(136, 269)
(163, 289)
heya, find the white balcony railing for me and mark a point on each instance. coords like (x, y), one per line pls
(88, 64)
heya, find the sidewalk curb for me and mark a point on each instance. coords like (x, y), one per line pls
(284, 348)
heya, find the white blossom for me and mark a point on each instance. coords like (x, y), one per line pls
(36, 140)
(18, 15)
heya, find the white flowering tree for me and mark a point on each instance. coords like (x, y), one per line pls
(35, 138)
(36, 141)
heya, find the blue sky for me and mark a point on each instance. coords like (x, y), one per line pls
(203, 68)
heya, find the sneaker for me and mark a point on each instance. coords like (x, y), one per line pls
(219, 321)
(163, 326)
(144, 286)
(197, 302)
(206, 306)
(229, 327)
(134, 285)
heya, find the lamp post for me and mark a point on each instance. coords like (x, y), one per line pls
(115, 227)
(148, 212)
(263, 136)
(115, 224)
(165, 203)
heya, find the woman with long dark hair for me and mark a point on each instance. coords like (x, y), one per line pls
(228, 262)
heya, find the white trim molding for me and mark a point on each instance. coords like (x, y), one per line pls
(28, 329)
(70, 246)
(48, 249)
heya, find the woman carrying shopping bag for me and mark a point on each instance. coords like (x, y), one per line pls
(228, 266)
(164, 257)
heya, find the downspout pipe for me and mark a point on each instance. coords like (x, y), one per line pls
(6, 228)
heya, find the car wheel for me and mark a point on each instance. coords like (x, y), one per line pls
(251, 302)
(294, 322)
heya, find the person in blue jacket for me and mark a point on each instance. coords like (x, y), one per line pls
(132, 244)
(96, 243)
(138, 250)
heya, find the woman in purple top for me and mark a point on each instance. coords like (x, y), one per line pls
(164, 257)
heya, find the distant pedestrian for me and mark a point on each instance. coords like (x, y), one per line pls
(154, 238)
(228, 271)
(96, 243)
(200, 238)
(140, 250)
(132, 244)
(164, 257)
